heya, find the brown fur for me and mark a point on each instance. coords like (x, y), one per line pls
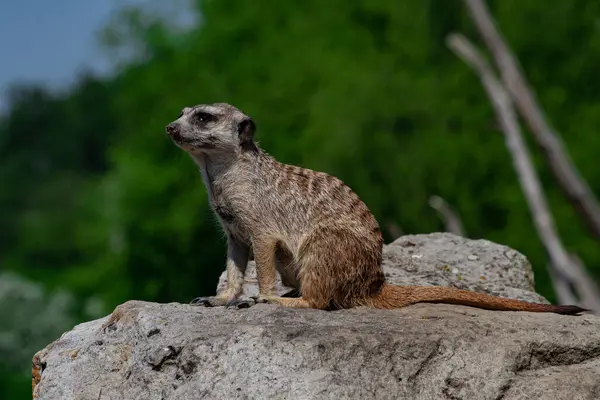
(307, 225)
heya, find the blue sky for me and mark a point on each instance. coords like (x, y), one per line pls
(48, 41)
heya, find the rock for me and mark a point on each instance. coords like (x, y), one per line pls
(425, 351)
(447, 260)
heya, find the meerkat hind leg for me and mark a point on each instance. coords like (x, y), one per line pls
(312, 295)
(294, 293)
(293, 302)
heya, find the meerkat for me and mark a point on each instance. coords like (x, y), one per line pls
(307, 226)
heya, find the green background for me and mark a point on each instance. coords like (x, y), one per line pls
(97, 206)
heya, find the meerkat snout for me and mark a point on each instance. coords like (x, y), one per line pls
(173, 130)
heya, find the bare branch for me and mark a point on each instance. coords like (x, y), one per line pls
(526, 173)
(557, 158)
(562, 287)
(451, 219)
(587, 289)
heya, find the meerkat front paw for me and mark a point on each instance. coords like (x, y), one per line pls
(215, 301)
(239, 304)
(210, 301)
(262, 299)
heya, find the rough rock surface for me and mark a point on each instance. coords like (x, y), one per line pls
(447, 260)
(425, 351)
(174, 351)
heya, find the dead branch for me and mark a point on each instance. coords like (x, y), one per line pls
(571, 183)
(562, 287)
(450, 218)
(586, 288)
(526, 173)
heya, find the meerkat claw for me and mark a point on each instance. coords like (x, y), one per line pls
(239, 304)
(205, 301)
(261, 299)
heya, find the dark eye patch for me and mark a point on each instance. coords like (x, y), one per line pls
(204, 117)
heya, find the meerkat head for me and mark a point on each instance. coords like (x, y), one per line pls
(210, 128)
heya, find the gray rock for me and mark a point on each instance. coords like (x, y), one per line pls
(426, 351)
(447, 260)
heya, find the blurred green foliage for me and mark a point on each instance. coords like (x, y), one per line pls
(96, 200)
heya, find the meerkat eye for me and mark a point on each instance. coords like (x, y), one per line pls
(204, 117)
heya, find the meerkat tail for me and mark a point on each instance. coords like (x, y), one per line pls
(392, 296)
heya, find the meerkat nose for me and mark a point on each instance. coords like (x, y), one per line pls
(173, 129)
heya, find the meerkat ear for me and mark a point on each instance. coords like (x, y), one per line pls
(246, 130)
